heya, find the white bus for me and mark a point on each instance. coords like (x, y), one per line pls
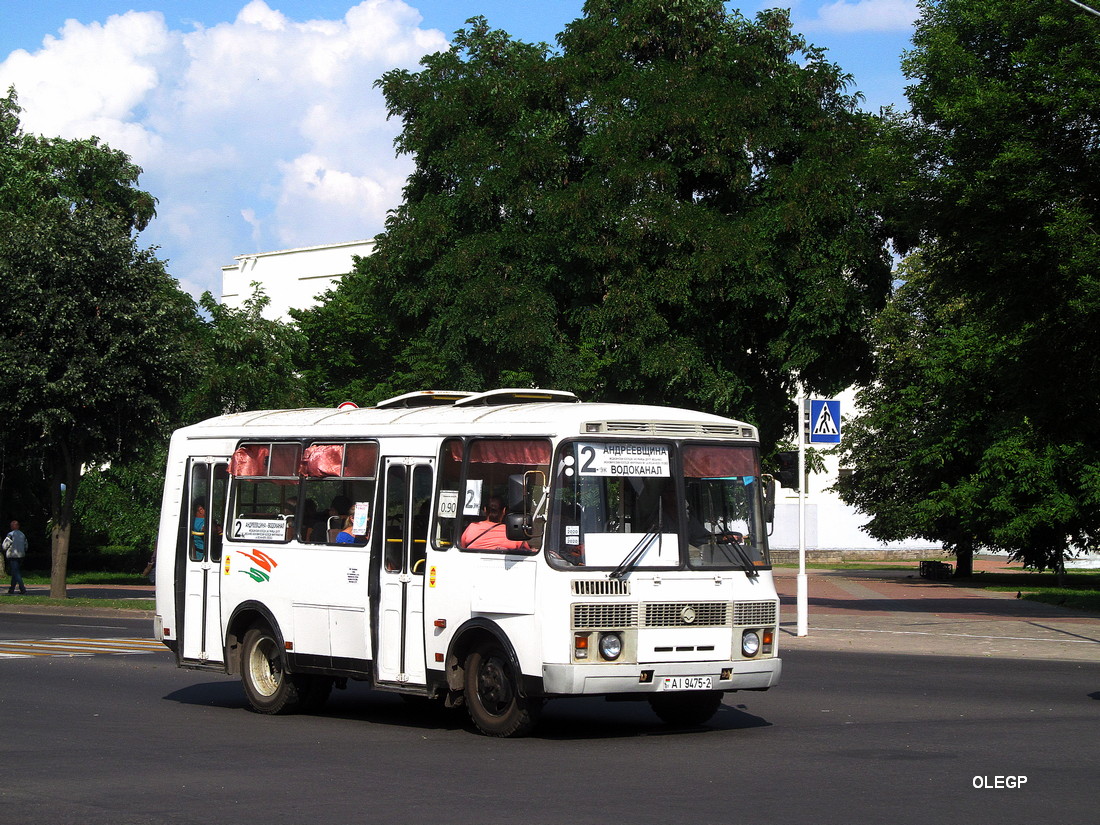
(494, 550)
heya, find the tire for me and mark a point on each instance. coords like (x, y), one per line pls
(492, 696)
(267, 685)
(686, 709)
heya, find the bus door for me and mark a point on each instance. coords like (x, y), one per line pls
(199, 550)
(408, 491)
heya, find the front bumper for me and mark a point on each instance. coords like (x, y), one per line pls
(598, 679)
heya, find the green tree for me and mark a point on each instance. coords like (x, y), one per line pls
(1003, 202)
(119, 504)
(94, 355)
(242, 361)
(245, 361)
(917, 445)
(676, 208)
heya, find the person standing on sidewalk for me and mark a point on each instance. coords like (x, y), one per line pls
(15, 549)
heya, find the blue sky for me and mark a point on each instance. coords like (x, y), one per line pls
(255, 120)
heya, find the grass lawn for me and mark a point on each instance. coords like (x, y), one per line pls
(1081, 590)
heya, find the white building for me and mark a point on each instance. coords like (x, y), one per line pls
(291, 278)
(296, 277)
(833, 528)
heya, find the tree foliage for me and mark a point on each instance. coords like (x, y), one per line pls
(677, 207)
(93, 356)
(241, 361)
(980, 430)
(244, 361)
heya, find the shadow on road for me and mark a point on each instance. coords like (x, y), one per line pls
(563, 719)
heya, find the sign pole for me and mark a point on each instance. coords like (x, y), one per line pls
(803, 584)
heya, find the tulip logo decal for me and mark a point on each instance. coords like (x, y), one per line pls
(264, 561)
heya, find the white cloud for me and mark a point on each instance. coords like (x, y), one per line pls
(254, 134)
(867, 15)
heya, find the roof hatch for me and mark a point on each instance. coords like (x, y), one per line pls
(499, 398)
(423, 398)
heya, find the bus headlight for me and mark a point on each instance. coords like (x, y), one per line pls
(750, 643)
(611, 646)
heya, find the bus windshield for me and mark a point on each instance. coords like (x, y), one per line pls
(723, 506)
(619, 505)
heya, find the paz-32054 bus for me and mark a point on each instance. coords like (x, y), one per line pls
(492, 550)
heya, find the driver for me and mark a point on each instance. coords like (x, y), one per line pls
(489, 533)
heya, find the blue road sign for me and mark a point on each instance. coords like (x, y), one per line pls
(824, 421)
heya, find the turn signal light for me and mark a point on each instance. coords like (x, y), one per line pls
(580, 645)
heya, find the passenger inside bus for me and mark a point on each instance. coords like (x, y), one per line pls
(329, 524)
(347, 536)
(198, 532)
(489, 533)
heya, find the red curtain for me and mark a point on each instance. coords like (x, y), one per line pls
(354, 460)
(719, 462)
(322, 460)
(512, 451)
(249, 460)
(271, 460)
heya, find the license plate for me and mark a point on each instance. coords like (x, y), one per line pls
(686, 683)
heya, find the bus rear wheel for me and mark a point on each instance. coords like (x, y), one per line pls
(492, 696)
(267, 685)
(685, 709)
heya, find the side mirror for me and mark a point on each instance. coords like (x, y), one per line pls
(516, 527)
(768, 490)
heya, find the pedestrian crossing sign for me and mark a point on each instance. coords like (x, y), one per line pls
(824, 421)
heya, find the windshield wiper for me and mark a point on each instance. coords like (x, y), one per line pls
(635, 555)
(742, 554)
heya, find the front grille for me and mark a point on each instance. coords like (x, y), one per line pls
(754, 613)
(601, 587)
(675, 429)
(686, 614)
(604, 616)
(672, 614)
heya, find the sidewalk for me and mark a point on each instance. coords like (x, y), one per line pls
(897, 611)
(877, 610)
(145, 592)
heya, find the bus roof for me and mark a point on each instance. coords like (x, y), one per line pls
(474, 415)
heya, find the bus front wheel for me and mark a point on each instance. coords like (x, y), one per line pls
(492, 696)
(693, 708)
(267, 685)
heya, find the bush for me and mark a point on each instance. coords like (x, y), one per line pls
(109, 559)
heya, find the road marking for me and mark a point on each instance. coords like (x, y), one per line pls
(26, 648)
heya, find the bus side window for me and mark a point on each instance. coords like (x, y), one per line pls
(214, 526)
(421, 504)
(394, 532)
(448, 498)
(204, 510)
(502, 476)
(338, 483)
(196, 505)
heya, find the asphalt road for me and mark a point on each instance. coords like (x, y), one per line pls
(865, 737)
